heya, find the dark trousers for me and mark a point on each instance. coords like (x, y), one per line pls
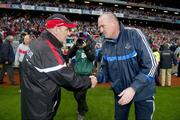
(10, 73)
(143, 109)
(80, 97)
(157, 81)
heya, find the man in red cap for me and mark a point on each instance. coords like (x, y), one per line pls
(45, 71)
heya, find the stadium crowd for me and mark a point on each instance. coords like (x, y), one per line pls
(26, 23)
(123, 10)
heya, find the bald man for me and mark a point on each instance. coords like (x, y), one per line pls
(129, 65)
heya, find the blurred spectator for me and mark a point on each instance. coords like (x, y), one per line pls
(84, 51)
(21, 51)
(1, 59)
(177, 53)
(8, 56)
(157, 57)
(167, 57)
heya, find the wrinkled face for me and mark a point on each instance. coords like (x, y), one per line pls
(106, 27)
(11, 38)
(27, 39)
(62, 33)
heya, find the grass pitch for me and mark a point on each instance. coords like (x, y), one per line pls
(100, 101)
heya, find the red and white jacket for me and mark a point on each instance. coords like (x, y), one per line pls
(45, 71)
(21, 51)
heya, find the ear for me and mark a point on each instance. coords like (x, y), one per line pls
(56, 30)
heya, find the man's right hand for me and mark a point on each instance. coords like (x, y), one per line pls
(93, 81)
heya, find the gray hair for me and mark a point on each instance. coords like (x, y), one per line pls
(110, 16)
(8, 38)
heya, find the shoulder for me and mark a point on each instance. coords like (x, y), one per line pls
(21, 45)
(131, 31)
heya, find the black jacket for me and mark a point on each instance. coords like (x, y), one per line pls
(44, 72)
(7, 52)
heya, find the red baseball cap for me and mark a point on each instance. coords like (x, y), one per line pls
(59, 20)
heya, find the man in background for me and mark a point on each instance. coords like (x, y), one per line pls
(167, 59)
(8, 59)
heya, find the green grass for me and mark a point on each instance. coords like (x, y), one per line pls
(100, 101)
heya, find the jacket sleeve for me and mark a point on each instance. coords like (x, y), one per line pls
(146, 62)
(8, 53)
(17, 56)
(102, 73)
(46, 64)
(174, 59)
(90, 51)
(5, 51)
(11, 55)
(66, 78)
(72, 51)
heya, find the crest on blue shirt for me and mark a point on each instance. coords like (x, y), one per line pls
(127, 46)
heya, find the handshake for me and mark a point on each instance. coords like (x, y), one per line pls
(93, 81)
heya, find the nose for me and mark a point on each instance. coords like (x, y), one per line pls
(69, 33)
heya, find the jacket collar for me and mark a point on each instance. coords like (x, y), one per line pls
(48, 36)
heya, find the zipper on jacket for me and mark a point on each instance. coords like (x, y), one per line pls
(119, 66)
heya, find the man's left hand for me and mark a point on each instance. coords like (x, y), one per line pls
(126, 96)
(93, 81)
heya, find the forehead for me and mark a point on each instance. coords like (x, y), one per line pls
(27, 36)
(103, 20)
(63, 27)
